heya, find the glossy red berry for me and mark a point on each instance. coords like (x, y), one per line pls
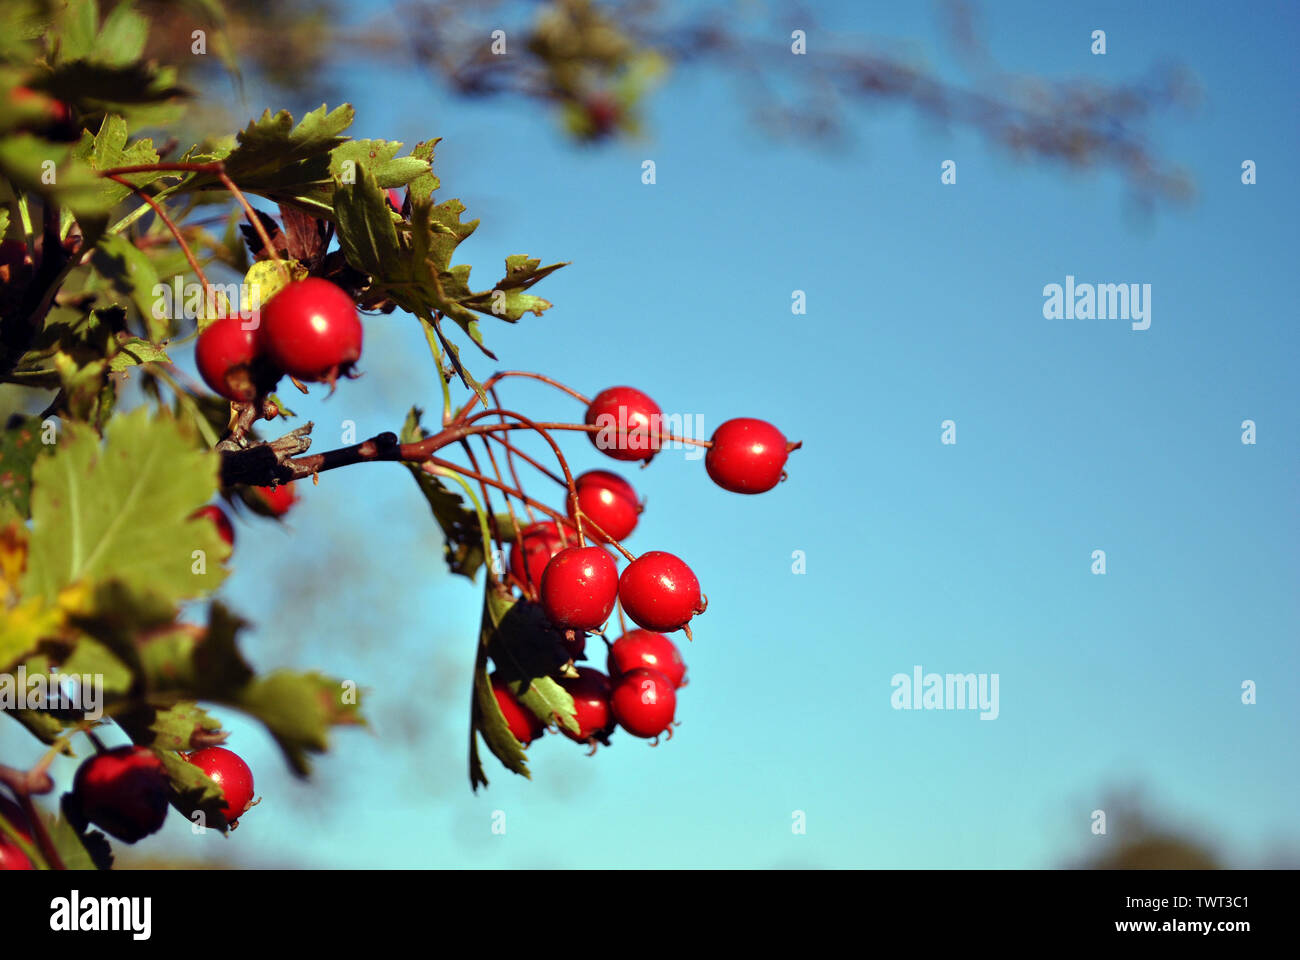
(523, 723)
(395, 200)
(541, 541)
(579, 587)
(609, 501)
(311, 330)
(644, 702)
(660, 592)
(225, 354)
(12, 856)
(278, 499)
(747, 456)
(220, 521)
(590, 691)
(229, 771)
(629, 421)
(124, 791)
(644, 649)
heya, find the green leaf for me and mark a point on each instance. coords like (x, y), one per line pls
(133, 276)
(487, 717)
(78, 849)
(526, 652)
(185, 726)
(94, 659)
(298, 709)
(134, 352)
(49, 170)
(122, 511)
(108, 149)
(462, 535)
(20, 445)
(423, 186)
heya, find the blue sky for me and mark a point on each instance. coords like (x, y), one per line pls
(924, 304)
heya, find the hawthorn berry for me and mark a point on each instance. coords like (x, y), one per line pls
(541, 541)
(219, 519)
(644, 649)
(579, 586)
(229, 771)
(747, 456)
(660, 592)
(278, 499)
(590, 691)
(123, 791)
(311, 330)
(643, 702)
(12, 856)
(225, 355)
(525, 725)
(395, 201)
(629, 421)
(609, 501)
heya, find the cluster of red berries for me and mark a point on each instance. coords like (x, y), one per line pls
(309, 330)
(578, 586)
(124, 791)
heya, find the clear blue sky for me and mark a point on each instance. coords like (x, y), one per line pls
(924, 304)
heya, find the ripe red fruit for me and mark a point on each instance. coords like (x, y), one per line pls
(630, 423)
(231, 774)
(609, 501)
(395, 201)
(124, 791)
(644, 702)
(11, 855)
(219, 518)
(643, 649)
(579, 587)
(747, 456)
(523, 723)
(541, 541)
(311, 330)
(225, 354)
(278, 499)
(660, 592)
(590, 692)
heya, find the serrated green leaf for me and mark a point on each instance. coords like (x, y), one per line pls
(134, 352)
(487, 717)
(523, 646)
(122, 511)
(423, 186)
(94, 659)
(133, 276)
(175, 728)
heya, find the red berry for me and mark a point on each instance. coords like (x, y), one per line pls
(644, 702)
(395, 201)
(311, 330)
(590, 692)
(229, 771)
(225, 354)
(609, 501)
(660, 592)
(11, 855)
(629, 422)
(278, 499)
(219, 518)
(124, 791)
(747, 456)
(642, 649)
(579, 587)
(541, 541)
(523, 723)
